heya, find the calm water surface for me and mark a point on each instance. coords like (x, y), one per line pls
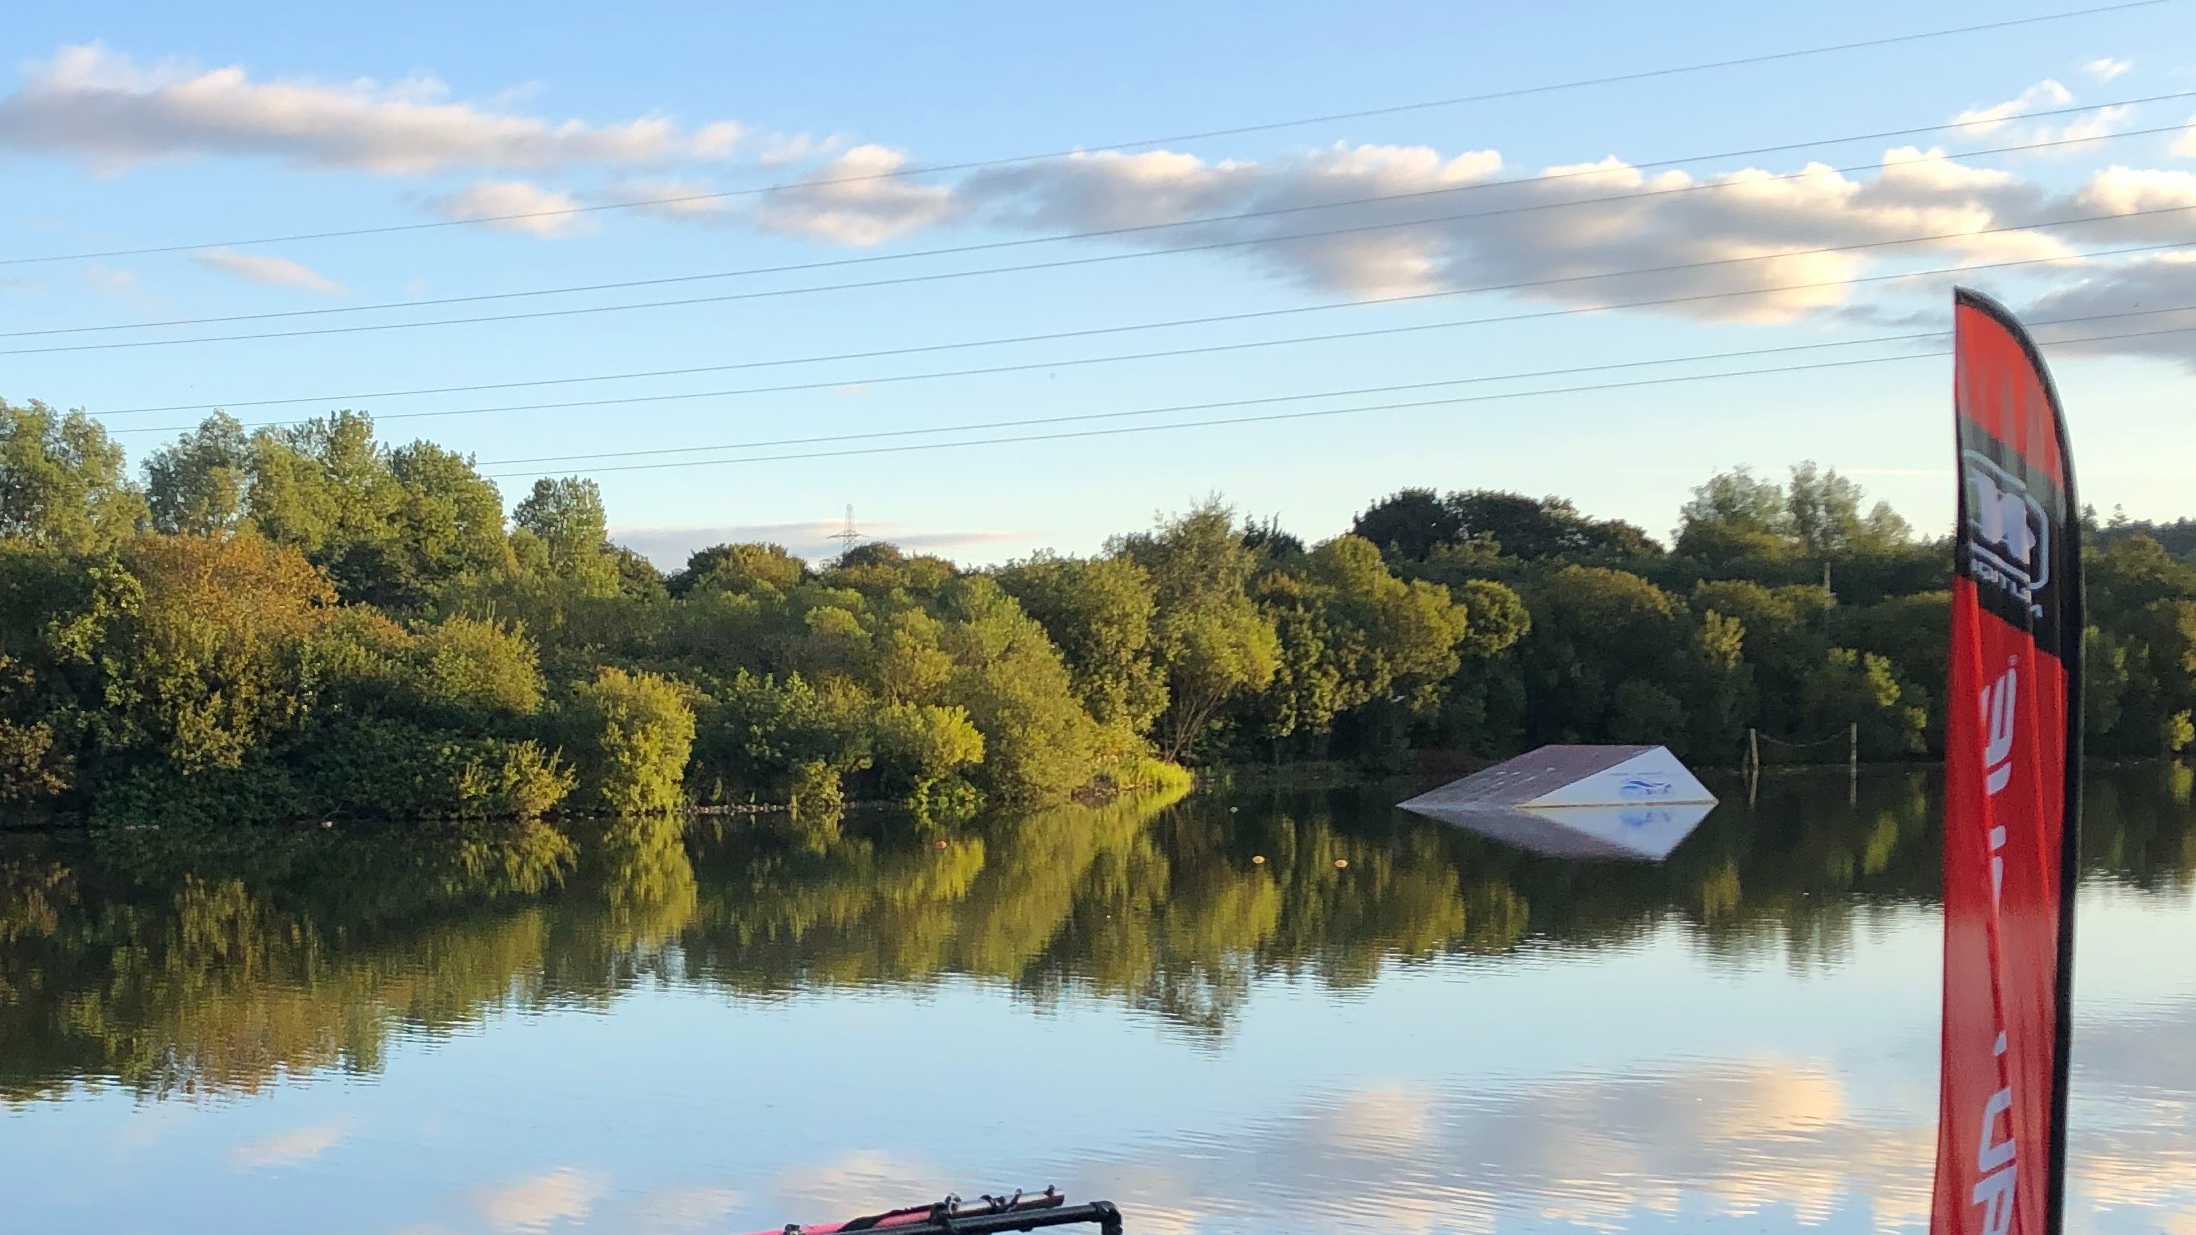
(1384, 1025)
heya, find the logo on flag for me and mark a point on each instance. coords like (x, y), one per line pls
(2008, 529)
(1998, 729)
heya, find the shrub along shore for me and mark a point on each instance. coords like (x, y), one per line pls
(304, 622)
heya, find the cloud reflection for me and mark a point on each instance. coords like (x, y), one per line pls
(537, 1202)
(669, 1210)
(297, 1145)
(1775, 1143)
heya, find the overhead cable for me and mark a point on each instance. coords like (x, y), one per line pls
(1516, 285)
(1636, 383)
(1476, 379)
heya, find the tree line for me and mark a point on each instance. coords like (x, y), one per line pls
(307, 622)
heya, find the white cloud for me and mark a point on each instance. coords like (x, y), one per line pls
(1380, 221)
(537, 1202)
(684, 200)
(517, 206)
(858, 198)
(1984, 119)
(2105, 68)
(2052, 139)
(1365, 221)
(289, 1148)
(2055, 140)
(1912, 171)
(101, 105)
(1408, 220)
(781, 150)
(122, 284)
(265, 268)
(669, 547)
(2138, 206)
(2079, 132)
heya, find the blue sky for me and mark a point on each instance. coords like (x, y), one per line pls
(130, 126)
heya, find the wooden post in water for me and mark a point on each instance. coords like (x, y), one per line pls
(1853, 763)
(1753, 762)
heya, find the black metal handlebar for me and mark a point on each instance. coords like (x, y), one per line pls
(989, 1215)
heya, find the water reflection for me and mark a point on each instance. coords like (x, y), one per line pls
(182, 967)
(1776, 1141)
(1507, 1051)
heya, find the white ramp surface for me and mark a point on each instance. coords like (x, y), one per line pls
(1633, 802)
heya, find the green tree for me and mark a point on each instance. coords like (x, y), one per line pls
(204, 661)
(1548, 527)
(908, 662)
(633, 733)
(197, 486)
(1861, 688)
(1785, 641)
(1823, 510)
(62, 483)
(1496, 618)
(447, 518)
(1039, 743)
(1912, 632)
(565, 515)
(638, 578)
(1409, 523)
(1354, 635)
(320, 486)
(1100, 613)
(1722, 685)
(920, 745)
(1208, 634)
(740, 568)
(391, 528)
(2105, 682)
(759, 738)
(1593, 630)
(475, 670)
(1735, 516)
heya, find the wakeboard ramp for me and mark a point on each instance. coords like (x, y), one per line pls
(1626, 802)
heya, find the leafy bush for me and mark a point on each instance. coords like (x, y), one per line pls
(632, 733)
(396, 769)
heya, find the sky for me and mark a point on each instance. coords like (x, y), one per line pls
(1267, 238)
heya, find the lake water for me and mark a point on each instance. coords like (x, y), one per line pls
(1249, 1012)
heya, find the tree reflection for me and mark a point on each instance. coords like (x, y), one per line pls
(173, 965)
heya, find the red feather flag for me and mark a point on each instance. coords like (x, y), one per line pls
(2012, 753)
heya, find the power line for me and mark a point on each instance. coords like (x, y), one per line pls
(1205, 349)
(1198, 407)
(1272, 417)
(1146, 228)
(1203, 135)
(923, 349)
(1477, 379)
(1520, 285)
